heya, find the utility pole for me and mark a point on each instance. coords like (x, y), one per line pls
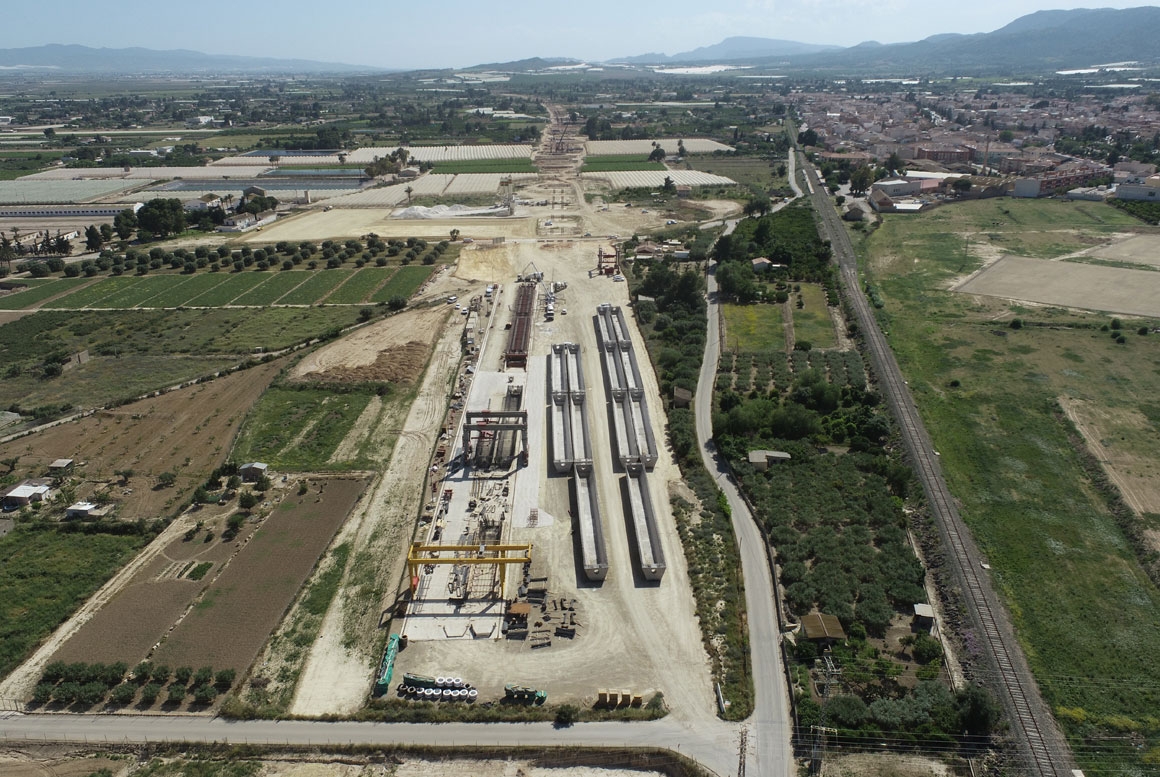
(831, 673)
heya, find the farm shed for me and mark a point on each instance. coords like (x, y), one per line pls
(923, 617)
(819, 627)
(25, 493)
(252, 471)
(761, 264)
(760, 460)
(60, 467)
(682, 397)
(82, 510)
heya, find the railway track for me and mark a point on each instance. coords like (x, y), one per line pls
(1044, 746)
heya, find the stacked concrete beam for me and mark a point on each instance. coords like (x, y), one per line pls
(635, 444)
(572, 451)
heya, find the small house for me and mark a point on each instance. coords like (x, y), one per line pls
(60, 467)
(85, 510)
(253, 471)
(823, 629)
(923, 618)
(24, 494)
(760, 460)
(682, 397)
(761, 264)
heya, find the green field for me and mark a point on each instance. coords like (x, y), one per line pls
(314, 288)
(753, 327)
(360, 287)
(619, 163)
(299, 429)
(486, 166)
(181, 294)
(404, 283)
(95, 294)
(135, 351)
(38, 291)
(812, 323)
(45, 576)
(1084, 608)
(271, 289)
(231, 287)
(745, 170)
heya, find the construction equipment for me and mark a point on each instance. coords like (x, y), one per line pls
(521, 693)
(387, 667)
(422, 555)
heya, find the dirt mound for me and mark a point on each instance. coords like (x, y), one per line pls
(400, 364)
(394, 349)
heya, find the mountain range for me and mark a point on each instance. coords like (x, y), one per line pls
(84, 59)
(1036, 43)
(1041, 41)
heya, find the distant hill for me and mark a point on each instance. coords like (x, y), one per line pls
(83, 59)
(1038, 42)
(526, 65)
(733, 49)
(1042, 41)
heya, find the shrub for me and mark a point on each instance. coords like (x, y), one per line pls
(175, 694)
(149, 693)
(182, 675)
(566, 715)
(123, 695)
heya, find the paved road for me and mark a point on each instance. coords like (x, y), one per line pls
(1044, 747)
(714, 748)
(770, 725)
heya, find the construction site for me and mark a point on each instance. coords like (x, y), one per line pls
(544, 556)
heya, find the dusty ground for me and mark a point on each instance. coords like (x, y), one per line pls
(355, 222)
(1101, 427)
(1069, 284)
(338, 671)
(60, 761)
(394, 349)
(877, 765)
(1137, 249)
(187, 431)
(637, 635)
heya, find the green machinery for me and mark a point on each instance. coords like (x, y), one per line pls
(387, 667)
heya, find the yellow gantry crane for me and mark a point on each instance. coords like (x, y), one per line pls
(421, 555)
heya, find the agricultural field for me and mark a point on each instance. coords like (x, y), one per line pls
(996, 397)
(47, 573)
(270, 290)
(811, 317)
(38, 291)
(753, 327)
(611, 164)
(1069, 284)
(358, 289)
(515, 165)
(232, 621)
(157, 596)
(132, 352)
(315, 288)
(404, 283)
(750, 171)
(187, 432)
(299, 428)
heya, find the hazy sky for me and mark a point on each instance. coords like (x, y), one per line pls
(459, 33)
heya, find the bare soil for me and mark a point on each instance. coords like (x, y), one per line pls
(340, 666)
(188, 432)
(394, 350)
(883, 765)
(1101, 427)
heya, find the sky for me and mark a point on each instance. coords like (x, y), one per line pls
(460, 33)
